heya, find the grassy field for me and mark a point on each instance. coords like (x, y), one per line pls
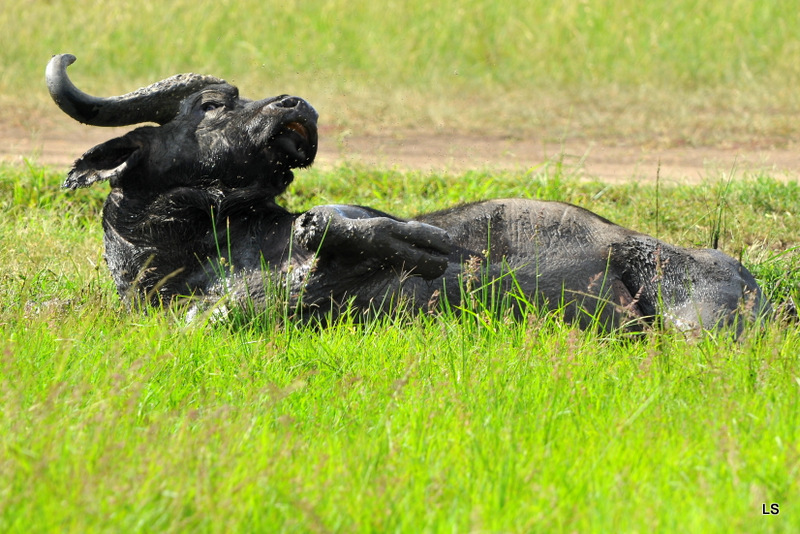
(118, 421)
(677, 72)
(128, 422)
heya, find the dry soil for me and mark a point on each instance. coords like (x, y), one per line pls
(59, 141)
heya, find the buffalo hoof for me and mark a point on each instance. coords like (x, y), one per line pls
(350, 232)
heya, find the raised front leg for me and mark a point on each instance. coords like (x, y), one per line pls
(370, 238)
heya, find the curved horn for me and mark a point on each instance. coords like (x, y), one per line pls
(157, 103)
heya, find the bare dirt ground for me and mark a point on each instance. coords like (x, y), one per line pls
(60, 141)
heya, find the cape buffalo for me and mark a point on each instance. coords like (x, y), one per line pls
(192, 212)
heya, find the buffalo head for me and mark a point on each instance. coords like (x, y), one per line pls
(208, 135)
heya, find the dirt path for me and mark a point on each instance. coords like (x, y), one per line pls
(60, 142)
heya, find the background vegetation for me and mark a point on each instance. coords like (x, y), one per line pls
(669, 72)
(119, 421)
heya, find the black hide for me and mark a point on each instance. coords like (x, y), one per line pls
(192, 213)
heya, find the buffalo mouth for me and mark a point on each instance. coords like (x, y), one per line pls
(295, 141)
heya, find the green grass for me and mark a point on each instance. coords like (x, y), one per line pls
(122, 421)
(131, 422)
(676, 72)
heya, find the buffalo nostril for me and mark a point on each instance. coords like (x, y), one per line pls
(286, 102)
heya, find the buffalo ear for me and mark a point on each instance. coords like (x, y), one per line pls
(107, 161)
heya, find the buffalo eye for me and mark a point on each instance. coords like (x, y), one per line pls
(209, 106)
